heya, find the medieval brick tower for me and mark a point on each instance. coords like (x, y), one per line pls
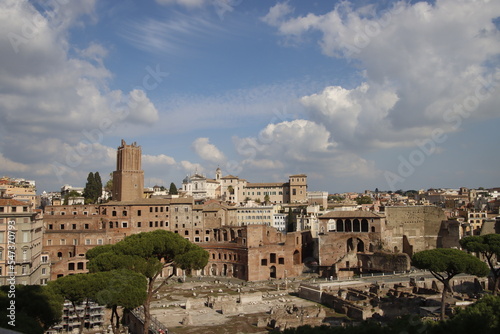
(298, 188)
(128, 179)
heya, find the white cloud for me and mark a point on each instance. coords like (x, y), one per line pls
(418, 61)
(298, 146)
(190, 167)
(207, 151)
(56, 105)
(277, 13)
(185, 3)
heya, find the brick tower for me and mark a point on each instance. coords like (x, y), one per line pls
(298, 188)
(128, 178)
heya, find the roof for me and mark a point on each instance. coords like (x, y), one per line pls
(11, 202)
(350, 214)
(298, 175)
(229, 177)
(270, 184)
(141, 201)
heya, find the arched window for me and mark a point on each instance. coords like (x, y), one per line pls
(364, 225)
(348, 225)
(272, 272)
(356, 227)
(340, 225)
(296, 257)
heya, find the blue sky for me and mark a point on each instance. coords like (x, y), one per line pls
(356, 94)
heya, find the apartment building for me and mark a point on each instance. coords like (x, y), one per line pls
(21, 258)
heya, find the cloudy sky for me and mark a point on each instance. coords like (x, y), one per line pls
(359, 94)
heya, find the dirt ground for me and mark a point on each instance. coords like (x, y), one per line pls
(169, 306)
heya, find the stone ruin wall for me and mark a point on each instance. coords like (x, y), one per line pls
(412, 229)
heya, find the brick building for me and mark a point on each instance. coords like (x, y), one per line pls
(249, 252)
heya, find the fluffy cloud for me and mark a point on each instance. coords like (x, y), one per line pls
(298, 146)
(207, 151)
(55, 100)
(422, 63)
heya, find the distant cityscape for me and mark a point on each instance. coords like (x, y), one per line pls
(253, 231)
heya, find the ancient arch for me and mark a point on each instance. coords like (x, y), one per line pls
(296, 257)
(340, 225)
(272, 272)
(364, 225)
(356, 226)
(348, 225)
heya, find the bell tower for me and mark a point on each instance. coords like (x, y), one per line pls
(128, 178)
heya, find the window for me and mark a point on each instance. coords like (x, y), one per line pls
(139, 213)
(281, 260)
(62, 242)
(196, 239)
(71, 266)
(87, 241)
(44, 271)
(73, 226)
(186, 232)
(75, 242)
(80, 266)
(24, 269)
(45, 258)
(273, 258)
(61, 226)
(124, 224)
(263, 262)
(113, 213)
(49, 242)
(124, 213)
(51, 226)
(139, 224)
(14, 209)
(99, 241)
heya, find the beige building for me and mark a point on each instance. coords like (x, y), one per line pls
(21, 190)
(21, 258)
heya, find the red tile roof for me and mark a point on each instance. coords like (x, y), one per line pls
(11, 202)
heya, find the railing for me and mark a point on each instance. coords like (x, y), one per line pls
(155, 325)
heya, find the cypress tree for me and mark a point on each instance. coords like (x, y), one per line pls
(173, 189)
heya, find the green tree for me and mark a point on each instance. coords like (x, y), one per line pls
(93, 188)
(78, 289)
(36, 308)
(267, 199)
(445, 263)
(109, 185)
(71, 194)
(488, 246)
(481, 317)
(173, 189)
(290, 226)
(97, 186)
(148, 253)
(364, 200)
(123, 288)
